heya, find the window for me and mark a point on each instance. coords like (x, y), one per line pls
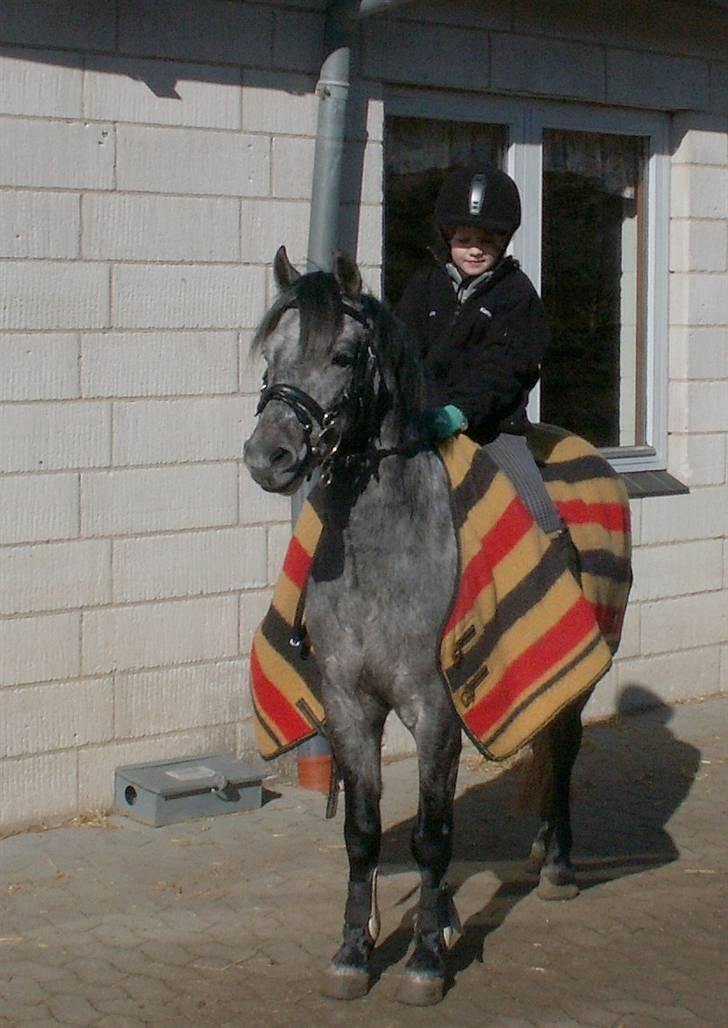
(594, 187)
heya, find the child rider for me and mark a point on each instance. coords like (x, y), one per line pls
(481, 328)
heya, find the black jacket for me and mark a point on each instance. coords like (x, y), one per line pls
(483, 356)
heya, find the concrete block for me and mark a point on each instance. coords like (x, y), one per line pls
(39, 367)
(162, 93)
(698, 191)
(159, 364)
(699, 299)
(161, 228)
(263, 110)
(188, 297)
(298, 40)
(674, 676)
(702, 514)
(53, 296)
(50, 437)
(159, 499)
(265, 225)
(253, 607)
(700, 138)
(33, 81)
(57, 154)
(699, 245)
(279, 536)
(677, 570)
(719, 87)
(189, 564)
(39, 224)
(459, 12)
(698, 460)
(629, 645)
(41, 718)
(177, 699)
(149, 635)
(38, 508)
(547, 67)
(55, 576)
(684, 623)
(39, 790)
(40, 649)
(698, 352)
(225, 32)
(292, 167)
(251, 365)
(656, 80)
(82, 25)
(171, 431)
(257, 506)
(385, 42)
(363, 179)
(188, 160)
(96, 764)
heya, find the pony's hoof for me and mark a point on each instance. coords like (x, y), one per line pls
(421, 990)
(344, 983)
(557, 885)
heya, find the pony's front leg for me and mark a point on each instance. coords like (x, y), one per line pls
(438, 747)
(357, 754)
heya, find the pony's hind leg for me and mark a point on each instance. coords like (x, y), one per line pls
(557, 747)
(438, 749)
(358, 756)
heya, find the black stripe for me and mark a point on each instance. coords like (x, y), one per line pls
(579, 469)
(473, 487)
(548, 684)
(278, 633)
(605, 564)
(512, 607)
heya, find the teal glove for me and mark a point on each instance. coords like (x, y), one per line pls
(442, 422)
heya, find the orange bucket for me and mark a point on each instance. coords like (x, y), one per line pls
(315, 772)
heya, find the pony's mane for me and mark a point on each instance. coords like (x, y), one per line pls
(318, 298)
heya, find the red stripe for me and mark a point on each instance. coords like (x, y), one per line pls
(534, 663)
(612, 516)
(509, 529)
(609, 619)
(297, 563)
(275, 707)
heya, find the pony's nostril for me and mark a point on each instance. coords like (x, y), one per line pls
(280, 457)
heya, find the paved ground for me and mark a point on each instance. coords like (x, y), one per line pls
(229, 921)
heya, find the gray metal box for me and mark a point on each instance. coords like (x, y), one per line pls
(164, 792)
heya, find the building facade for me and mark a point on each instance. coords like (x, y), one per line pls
(155, 155)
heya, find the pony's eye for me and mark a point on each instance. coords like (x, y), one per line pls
(342, 360)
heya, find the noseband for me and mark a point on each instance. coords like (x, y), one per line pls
(347, 414)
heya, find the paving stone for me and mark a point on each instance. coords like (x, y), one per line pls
(228, 921)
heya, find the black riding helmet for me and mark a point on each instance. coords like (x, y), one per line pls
(482, 196)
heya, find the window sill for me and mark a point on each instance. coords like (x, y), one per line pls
(643, 484)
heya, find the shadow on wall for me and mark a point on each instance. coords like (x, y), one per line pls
(631, 776)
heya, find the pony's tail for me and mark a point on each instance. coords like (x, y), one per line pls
(537, 776)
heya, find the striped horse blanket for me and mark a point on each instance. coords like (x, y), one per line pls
(523, 638)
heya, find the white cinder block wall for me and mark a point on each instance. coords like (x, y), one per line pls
(154, 156)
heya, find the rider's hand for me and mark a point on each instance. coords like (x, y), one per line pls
(443, 422)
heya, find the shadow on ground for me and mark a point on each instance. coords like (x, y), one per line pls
(631, 775)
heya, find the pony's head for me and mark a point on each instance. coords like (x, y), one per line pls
(340, 375)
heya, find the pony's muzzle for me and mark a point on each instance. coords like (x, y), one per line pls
(276, 466)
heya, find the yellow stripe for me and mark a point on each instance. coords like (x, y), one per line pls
(457, 454)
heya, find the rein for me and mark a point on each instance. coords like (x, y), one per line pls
(360, 410)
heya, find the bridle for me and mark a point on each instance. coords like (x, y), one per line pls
(349, 427)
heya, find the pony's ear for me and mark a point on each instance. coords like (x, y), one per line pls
(283, 270)
(347, 274)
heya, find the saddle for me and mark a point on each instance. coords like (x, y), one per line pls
(525, 634)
